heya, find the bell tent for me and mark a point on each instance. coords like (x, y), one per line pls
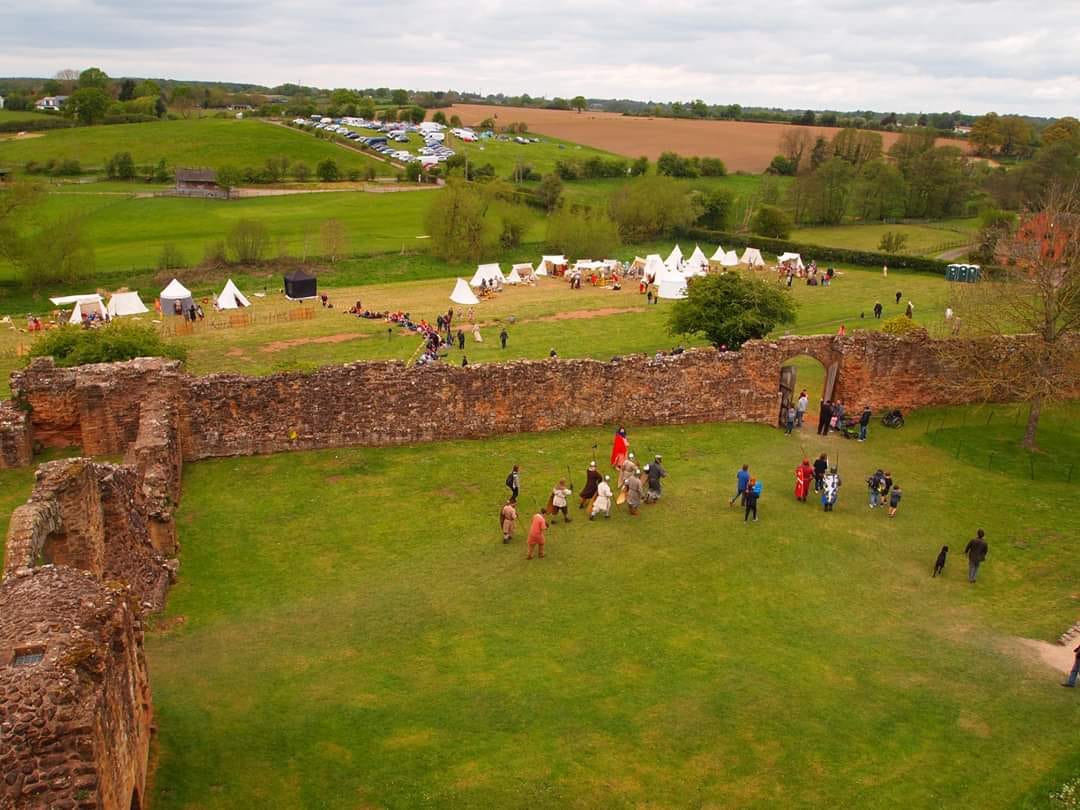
(674, 258)
(654, 269)
(792, 259)
(125, 303)
(173, 294)
(752, 258)
(300, 285)
(731, 259)
(231, 298)
(463, 295)
(671, 284)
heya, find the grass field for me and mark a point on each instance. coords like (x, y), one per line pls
(926, 239)
(319, 651)
(21, 115)
(198, 142)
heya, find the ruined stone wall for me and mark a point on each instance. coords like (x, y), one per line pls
(75, 725)
(16, 445)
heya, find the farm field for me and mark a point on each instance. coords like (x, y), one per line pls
(20, 115)
(923, 239)
(198, 142)
(743, 146)
(591, 322)
(319, 651)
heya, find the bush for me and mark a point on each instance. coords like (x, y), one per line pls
(214, 254)
(111, 343)
(35, 124)
(730, 309)
(301, 172)
(712, 167)
(328, 171)
(651, 207)
(170, 257)
(892, 242)
(773, 222)
(549, 192)
(639, 167)
(129, 118)
(120, 166)
(900, 325)
(248, 241)
(782, 166)
(674, 165)
(582, 233)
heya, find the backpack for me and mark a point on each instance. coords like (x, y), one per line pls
(757, 488)
(510, 480)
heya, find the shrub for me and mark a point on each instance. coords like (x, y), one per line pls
(248, 241)
(355, 174)
(900, 325)
(120, 166)
(730, 309)
(68, 167)
(582, 233)
(170, 257)
(782, 166)
(214, 254)
(712, 167)
(301, 172)
(113, 342)
(651, 207)
(772, 221)
(892, 242)
(639, 167)
(35, 124)
(328, 171)
(549, 192)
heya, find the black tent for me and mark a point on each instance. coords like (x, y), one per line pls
(299, 285)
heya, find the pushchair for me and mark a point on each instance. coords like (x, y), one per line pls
(893, 419)
(849, 428)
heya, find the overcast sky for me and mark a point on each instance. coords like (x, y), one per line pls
(902, 55)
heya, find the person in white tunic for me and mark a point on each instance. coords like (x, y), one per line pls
(602, 502)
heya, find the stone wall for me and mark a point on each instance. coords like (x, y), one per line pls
(74, 725)
(16, 446)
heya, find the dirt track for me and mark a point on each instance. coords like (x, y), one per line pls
(743, 146)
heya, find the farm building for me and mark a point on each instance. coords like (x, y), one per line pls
(199, 183)
(50, 103)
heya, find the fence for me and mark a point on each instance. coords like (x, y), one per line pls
(989, 437)
(238, 319)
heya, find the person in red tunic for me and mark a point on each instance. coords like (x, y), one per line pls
(536, 535)
(804, 475)
(619, 448)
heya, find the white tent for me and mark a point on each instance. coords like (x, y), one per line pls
(512, 277)
(791, 258)
(81, 305)
(489, 273)
(231, 298)
(549, 263)
(654, 268)
(697, 264)
(752, 257)
(462, 294)
(674, 258)
(731, 259)
(671, 284)
(173, 293)
(65, 300)
(719, 255)
(125, 303)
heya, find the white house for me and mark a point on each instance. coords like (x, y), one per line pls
(53, 103)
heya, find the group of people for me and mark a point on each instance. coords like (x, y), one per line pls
(636, 486)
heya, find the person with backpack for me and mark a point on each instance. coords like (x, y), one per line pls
(873, 482)
(513, 482)
(750, 498)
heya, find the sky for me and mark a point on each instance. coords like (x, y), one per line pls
(894, 55)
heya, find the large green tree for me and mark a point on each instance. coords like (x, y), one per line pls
(730, 309)
(94, 77)
(650, 207)
(88, 105)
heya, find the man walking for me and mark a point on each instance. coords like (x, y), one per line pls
(864, 422)
(656, 471)
(503, 337)
(508, 517)
(1071, 682)
(976, 551)
(592, 482)
(824, 415)
(877, 310)
(821, 465)
(602, 501)
(633, 493)
(513, 481)
(830, 489)
(460, 340)
(536, 535)
(899, 295)
(742, 479)
(629, 469)
(558, 499)
(800, 409)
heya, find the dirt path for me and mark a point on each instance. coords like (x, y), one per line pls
(954, 254)
(292, 343)
(1056, 656)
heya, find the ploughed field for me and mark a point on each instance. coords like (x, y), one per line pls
(349, 631)
(743, 145)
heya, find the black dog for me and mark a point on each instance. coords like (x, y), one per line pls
(939, 565)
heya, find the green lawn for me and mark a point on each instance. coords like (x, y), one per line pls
(212, 142)
(322, 652)
(925, 239)
(21, 115)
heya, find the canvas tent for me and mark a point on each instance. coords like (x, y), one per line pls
(671, 284)
(463, 295)
(674, 258)
(231, 298)
(81, 305)
(512, 277)
(487, 273)
(654, 268)
(718, 255)
(752, 257)
(549, 264)
(300, 285)
(125, 303)
(173, 293)
(524, 271)
(791, 258)
(731, 259)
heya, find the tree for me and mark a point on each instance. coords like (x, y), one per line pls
(127, 90)
(60, 251)
(717, 208)
(856, 146)
(170, 257)
(579, 103)
(698, 108)
(94, 77)
(772, 222)
(581, 233)
(730, 309)
(439, 117)
(120, 166)
(892, 242)
(1037, 295)
(1017, 136)
(651, 207)
(549, 192)
(399, 98)
(455, 121)
(794, 143)
(19, 203)
(1065, 129)
(985, 134)
(334, 239)
(328, 171)
(819, 154)
(247, 241)
(639, 167)
(455, 222)
(87, 104)
(301, 172)
(880, 192)
(184, 100)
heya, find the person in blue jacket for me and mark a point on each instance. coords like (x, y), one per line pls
(743, 478)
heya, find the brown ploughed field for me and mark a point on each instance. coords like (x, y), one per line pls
(743, 145)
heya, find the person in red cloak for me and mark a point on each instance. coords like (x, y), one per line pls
(619, 448)
(536, 535)
(804, 476)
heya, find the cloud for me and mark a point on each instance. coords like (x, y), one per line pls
(845, 54)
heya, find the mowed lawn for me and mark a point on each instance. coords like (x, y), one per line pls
(198, 142)
(323, 650)
(926, 239)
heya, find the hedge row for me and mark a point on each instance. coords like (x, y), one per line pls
(865, 258)
(129, 118)
(35, 124)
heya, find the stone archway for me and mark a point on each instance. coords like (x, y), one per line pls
(805, 372)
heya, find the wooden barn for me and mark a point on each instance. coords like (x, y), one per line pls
(199, 183)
